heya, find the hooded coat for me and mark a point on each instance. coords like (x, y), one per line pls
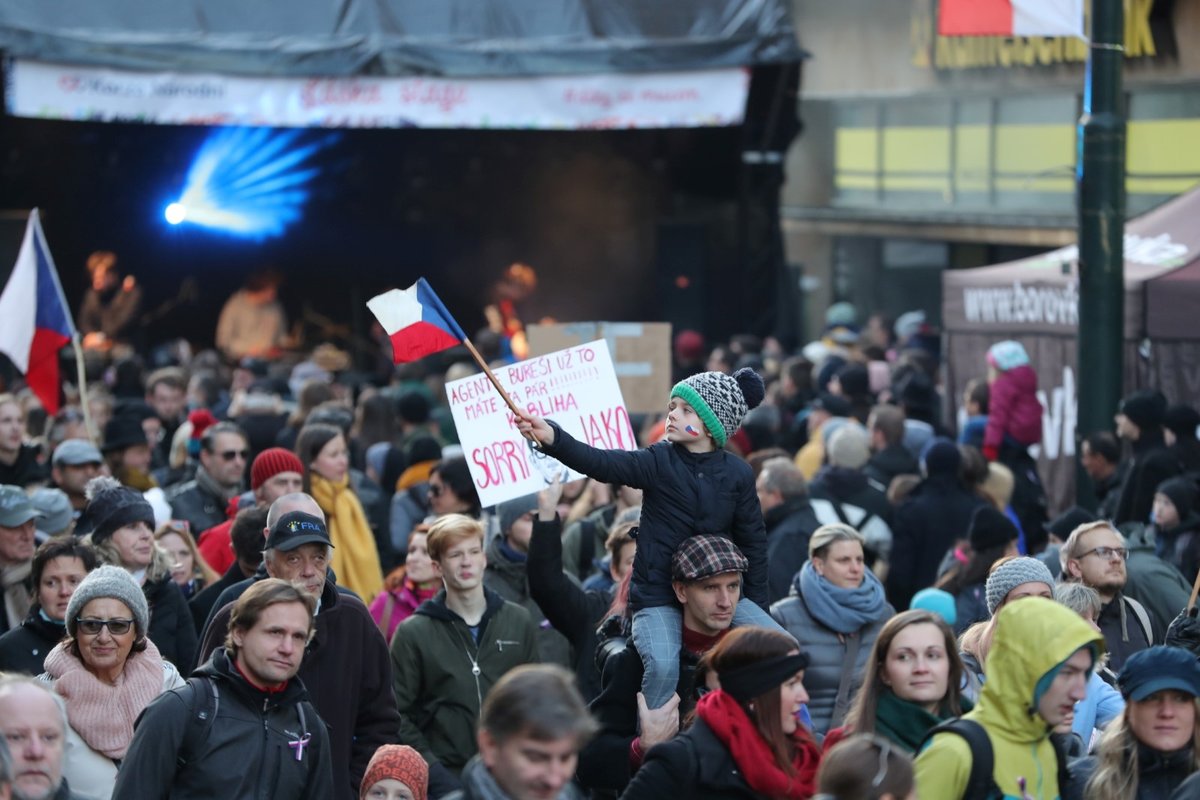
(509, 579)
(1013, 409)
(1034, 638)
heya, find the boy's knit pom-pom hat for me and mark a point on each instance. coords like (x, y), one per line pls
(721, 401)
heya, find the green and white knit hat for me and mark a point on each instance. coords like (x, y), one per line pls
(721, 401)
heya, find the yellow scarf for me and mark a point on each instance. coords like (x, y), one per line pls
(355, 559)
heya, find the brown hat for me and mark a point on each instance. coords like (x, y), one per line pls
(398, 762)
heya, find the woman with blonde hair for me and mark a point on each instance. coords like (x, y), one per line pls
(912, 684)
(189, 570)
(1154, 745)
(836, 610)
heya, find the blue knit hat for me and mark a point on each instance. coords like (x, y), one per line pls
(938, 601)
(1007, 355)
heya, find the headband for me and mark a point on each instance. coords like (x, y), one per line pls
(748, 682)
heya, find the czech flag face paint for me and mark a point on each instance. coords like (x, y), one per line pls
(691, 431)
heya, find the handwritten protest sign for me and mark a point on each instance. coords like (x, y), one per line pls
(576, 387)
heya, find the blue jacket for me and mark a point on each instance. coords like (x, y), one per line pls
(684, 494)
(1102, 705)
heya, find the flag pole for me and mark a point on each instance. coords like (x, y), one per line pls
(495, 382)
(81, 375)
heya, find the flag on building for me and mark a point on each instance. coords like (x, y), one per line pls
(35, 322)
(416, 321)
(1010, 18)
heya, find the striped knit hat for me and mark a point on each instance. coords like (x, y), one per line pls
(721, 401)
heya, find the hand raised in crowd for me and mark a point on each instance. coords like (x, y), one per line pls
(657, 724)
(1184, 631)
(548, 499)
(535, 429)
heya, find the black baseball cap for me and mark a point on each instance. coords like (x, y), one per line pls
(296, 528)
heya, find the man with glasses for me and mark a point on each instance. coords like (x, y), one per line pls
(1094, 555)
(202, 501)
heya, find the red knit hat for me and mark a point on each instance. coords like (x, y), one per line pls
(270, 463)
(399, 762)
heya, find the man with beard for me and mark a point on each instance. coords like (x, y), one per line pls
(1094, 555)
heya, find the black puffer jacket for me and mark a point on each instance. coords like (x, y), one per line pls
(171, 627)
(245, 753)
(695, 764)
(889, 462)
(1159, 774)
(685, 494)
(789, 527)
(24, 649)
(604, 764)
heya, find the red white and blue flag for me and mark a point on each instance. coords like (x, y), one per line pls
(416, 321)
(1010, 18)
(35, 321)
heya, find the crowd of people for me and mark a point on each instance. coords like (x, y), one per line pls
(246, 573)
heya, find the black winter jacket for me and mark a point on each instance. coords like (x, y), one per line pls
(1152, 464)
(695, 764)
(604, 762)
(245, 753)
(1159, 774)
(25, 470)
(935, 515)
(789, 527)
(684, 494)
(202, 604)
(24, 649)
(346, 665)
(201, 509)
(889, 462)
(171, 627)
(574, 611)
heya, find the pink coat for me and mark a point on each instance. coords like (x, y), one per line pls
(403, 602)
(1013, 408)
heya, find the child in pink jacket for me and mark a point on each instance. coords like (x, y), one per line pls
(1014, 411)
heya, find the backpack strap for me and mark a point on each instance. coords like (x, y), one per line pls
(1139, 611)
(204, 702)
(981, 783)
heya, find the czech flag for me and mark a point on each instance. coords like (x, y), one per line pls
(417, 322)
(1010, 18)
(35, 322)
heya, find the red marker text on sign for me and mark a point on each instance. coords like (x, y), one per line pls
(501, 462)
(608, 429)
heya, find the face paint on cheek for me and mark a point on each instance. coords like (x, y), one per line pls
(691, 430)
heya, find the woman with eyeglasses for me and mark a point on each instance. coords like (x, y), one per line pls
(836, 611)
(59, 565)
(189, 570)
(746, 740)
(912, 683)
(121, 526)
(1148, 751)
(865, 767)
(107, 671)
(322, 449)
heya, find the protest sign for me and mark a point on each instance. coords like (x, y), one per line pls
(576, 387)
(641, 354)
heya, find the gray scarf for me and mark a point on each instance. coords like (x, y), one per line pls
(17, 600)
(209, 484)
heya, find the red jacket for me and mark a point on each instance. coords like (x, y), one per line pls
(1013, 409)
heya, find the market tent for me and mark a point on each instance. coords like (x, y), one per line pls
(1036, 301)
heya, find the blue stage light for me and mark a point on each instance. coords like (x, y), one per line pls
(250, 182)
